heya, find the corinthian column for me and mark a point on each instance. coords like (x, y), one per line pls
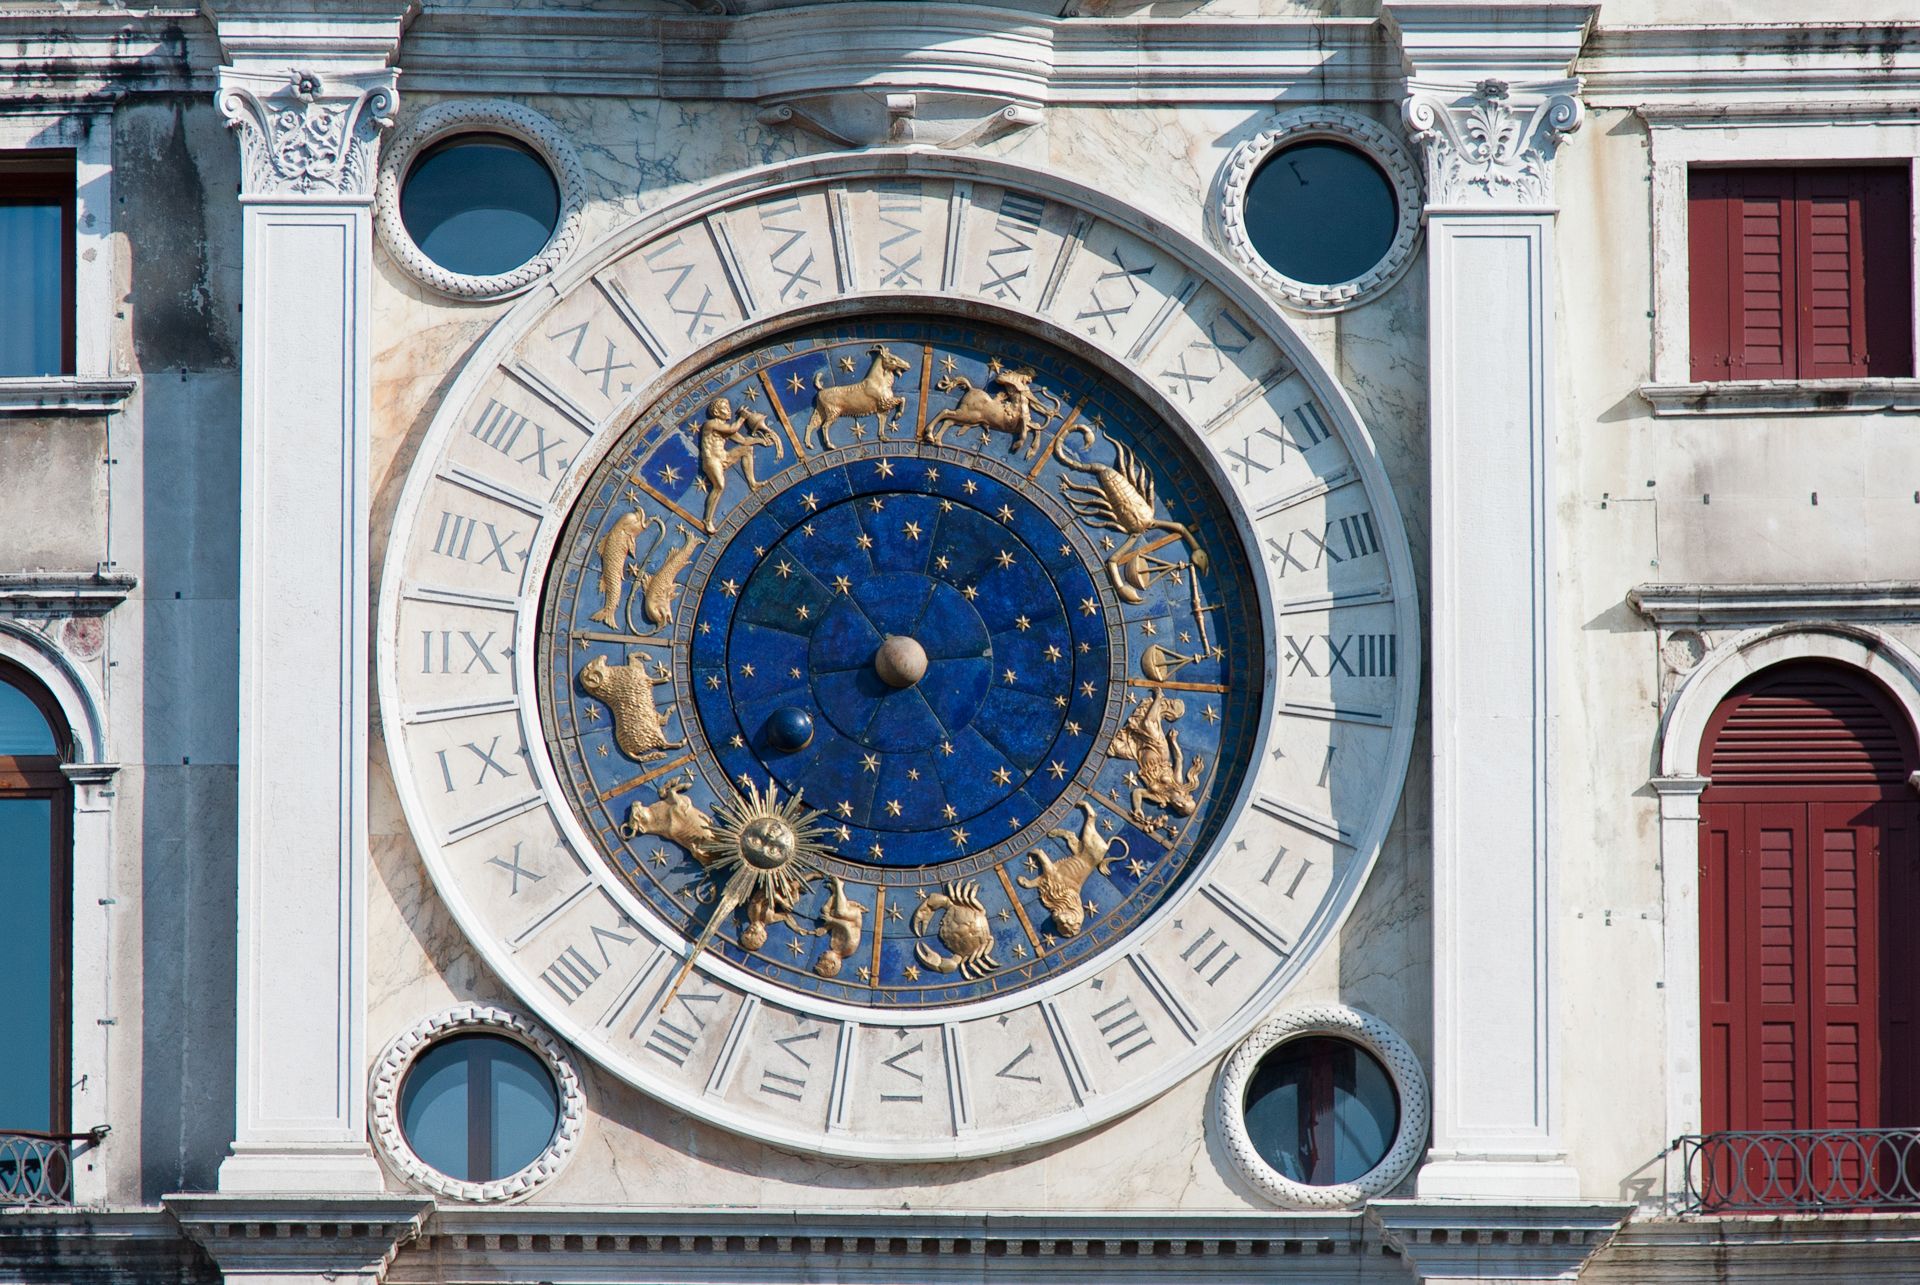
(1490, 100)
(307, 102)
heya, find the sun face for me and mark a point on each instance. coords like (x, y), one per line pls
(765, 849)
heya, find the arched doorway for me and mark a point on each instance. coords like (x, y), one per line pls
(1808, 833)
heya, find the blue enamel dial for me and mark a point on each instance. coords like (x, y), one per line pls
(969, 600)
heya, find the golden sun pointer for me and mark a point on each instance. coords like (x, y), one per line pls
(764, 849)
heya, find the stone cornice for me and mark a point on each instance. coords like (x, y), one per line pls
(96, 1244)
(1736, 605)
(1726, 63)
(929, 1246)
(63, 395)
(1546, 1241)
(299, 1235)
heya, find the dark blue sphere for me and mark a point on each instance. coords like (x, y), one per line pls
(789, 729)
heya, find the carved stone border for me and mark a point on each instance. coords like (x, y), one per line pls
(483, 116)
(1370, 1033)
(390, 1072)
(1381, 145)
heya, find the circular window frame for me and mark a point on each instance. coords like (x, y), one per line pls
(390, 1075)
(1373, 140)
(443, 121)
(1341, 1022)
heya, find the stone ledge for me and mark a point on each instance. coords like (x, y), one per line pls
(1778, 1249)
(63, 395)
(1784, 397)
(1470, 1240)
(76, 593)
(1728, 605)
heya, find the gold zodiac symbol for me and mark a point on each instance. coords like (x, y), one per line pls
(655, 590)
(872, 394)
(1060, 882)
(671, 817)
(964, 930)
(1164, 776)
(843, 917)
(639, 729)
(717, 457)
(1123, 500)
(1009, 411)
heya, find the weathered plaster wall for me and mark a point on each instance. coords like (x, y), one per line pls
(175, 525)
(641, 155)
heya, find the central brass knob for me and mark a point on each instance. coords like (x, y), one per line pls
(900, 662)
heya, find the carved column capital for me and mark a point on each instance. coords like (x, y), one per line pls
(1491, 145)
(308, 133)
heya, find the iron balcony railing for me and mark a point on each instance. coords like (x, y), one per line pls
(37, 1168)
(1775, 1171)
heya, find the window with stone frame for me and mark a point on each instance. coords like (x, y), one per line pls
(1800, 272)
(36, 263)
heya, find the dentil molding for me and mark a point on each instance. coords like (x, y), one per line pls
(1492, 147)
(303, 133)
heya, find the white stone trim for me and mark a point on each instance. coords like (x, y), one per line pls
(1754, 133)
(482, 116)
(1679, 787)
(1228, 209)
(390, 1073)
(1371, 1034)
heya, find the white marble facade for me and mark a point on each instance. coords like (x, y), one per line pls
(1518, 384)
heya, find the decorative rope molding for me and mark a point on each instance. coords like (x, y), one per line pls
(1370, 1033)
(483, 116)
(1227, 210)
(1488, 148)
(390, 1072)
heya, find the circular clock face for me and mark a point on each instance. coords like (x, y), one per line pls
(958, 610)
(900, 666)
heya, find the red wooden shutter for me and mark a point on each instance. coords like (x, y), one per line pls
(1761, 254)
(1710, 284)
(1886, 239)
(1723, 953)
(1829, 286)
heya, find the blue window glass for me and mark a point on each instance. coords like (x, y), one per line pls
(1321, 212)
(480, 204)
(23, 728)
(27, 1090)
(1321, 1110)
(479, 1107)
(36, 265)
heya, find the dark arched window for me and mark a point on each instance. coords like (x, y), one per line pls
(1809, 878)
(35, 911)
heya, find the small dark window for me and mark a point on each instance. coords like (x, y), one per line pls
(1799, 273)
(1321, 212)
(34, 916)
(1322, 1110)
(36, 264)
(479, 1107)
(480, 204)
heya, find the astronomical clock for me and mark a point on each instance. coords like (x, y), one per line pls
(898, 663)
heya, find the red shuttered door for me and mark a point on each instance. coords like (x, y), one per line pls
(1807, 860)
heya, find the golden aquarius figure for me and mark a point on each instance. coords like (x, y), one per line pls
(1122, 500)
(725, 442)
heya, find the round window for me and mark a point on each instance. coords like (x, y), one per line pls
(1321, 1110)
(480, 204)
(479, 1107)
(1321, 212)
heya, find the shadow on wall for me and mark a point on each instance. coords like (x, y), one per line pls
(175, 174)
